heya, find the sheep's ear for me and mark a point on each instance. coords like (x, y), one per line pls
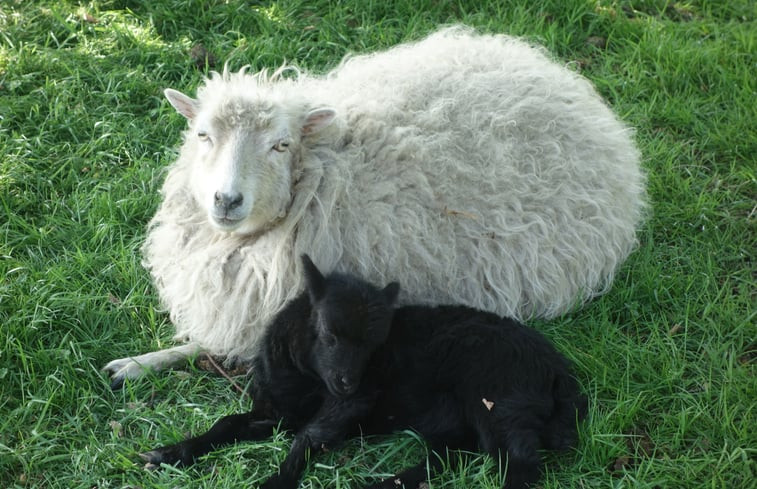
(391, 292)
(317, 119)
(316, 284)
(184, 104)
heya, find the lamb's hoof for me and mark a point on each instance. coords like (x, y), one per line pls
(150, 466)
(278, 481)
(152, 457)
(390, 483)
(179, 455)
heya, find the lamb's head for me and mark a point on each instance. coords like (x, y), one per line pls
(242, 149)
(351, 319)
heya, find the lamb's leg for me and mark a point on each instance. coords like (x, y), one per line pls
(407, 479)
(523, 459)
(411, 478)
(442, 443)
(444, 430)
(134, 367)
(335, 420)
(227, 430)
(510, 434)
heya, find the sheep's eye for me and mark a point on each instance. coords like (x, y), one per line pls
(280, 147)
(203, 136)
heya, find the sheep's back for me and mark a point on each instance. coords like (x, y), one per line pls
(483, 173)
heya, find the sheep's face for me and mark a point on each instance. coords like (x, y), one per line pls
(351, 319)
(242, 158)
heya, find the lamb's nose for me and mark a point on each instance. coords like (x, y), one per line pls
(347, 383)
(228, 201)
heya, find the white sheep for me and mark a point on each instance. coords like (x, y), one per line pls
(470, 168)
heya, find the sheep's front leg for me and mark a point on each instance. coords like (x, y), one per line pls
(335, 420)
(135, 367)
(227, 430)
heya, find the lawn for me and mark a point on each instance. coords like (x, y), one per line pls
(667, 357)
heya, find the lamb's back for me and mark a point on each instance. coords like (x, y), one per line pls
(469, 352)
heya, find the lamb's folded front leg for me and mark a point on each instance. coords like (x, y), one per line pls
(227, 430)
(412, 477)
(335, 420)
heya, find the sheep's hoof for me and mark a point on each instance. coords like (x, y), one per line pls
(122, 369)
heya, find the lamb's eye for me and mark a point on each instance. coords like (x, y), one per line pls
(203, 136)
(329, 339)
(280, 147)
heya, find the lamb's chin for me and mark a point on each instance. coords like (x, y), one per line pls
(339, 392)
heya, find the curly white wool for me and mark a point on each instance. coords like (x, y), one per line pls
(470, 168)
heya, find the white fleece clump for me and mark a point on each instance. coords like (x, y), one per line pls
(470, 168)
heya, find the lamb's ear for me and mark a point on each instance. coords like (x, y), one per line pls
(317, 119)
(391, 292)
(314, 280)
(184, 104)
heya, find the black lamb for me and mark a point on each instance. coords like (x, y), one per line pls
(341, 359)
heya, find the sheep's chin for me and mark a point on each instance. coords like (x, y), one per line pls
(237, 226)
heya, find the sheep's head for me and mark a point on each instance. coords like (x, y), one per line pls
(243, 150)
(351, 319)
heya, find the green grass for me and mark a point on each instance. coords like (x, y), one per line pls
(667, 356)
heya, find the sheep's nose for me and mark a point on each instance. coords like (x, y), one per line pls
(228, 201)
